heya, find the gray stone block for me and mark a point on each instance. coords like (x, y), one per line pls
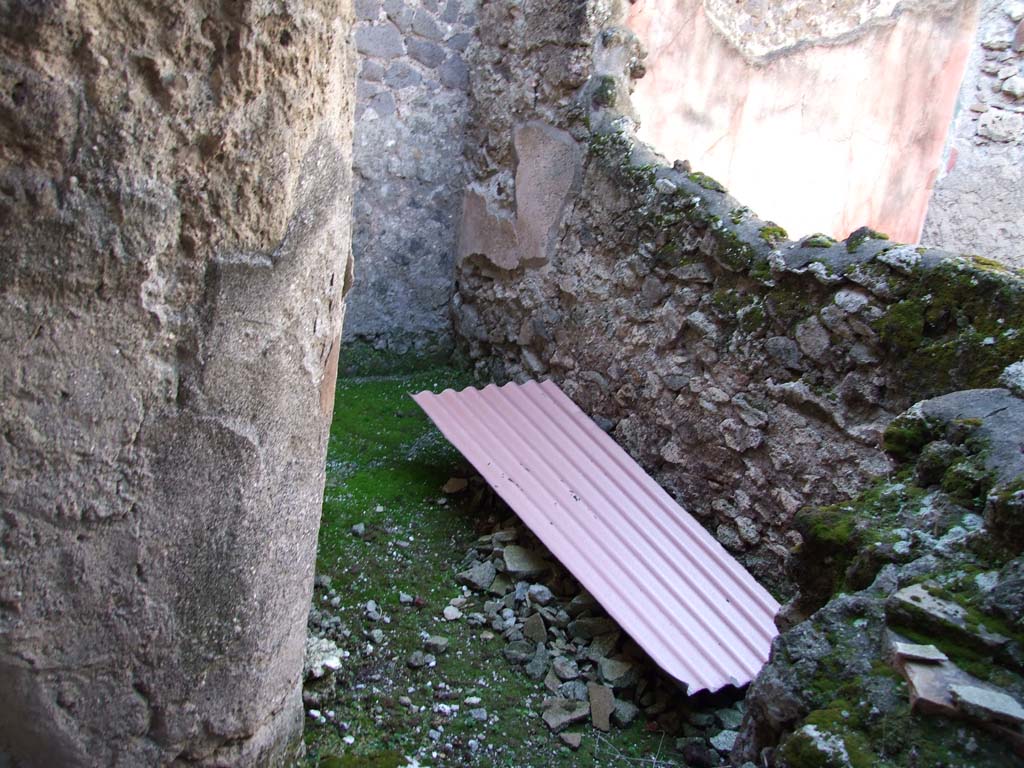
(425, 25)
(426, 53)
(454, 73)
(384, 41)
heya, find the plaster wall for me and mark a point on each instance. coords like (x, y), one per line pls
(822, 120)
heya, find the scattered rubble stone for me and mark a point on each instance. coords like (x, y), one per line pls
(539, 594)
(436, 644)
(534, 629)
(479, 576)
(321, 656)
(560, 713)
(625, 713)
(451, 613)
(523, 562)
(571, 740)
(455, 485)
(602, 704)
(617, 672)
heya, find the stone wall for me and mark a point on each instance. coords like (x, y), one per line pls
(976, 204)
(410, 116)
(174, 222)
(749, 373)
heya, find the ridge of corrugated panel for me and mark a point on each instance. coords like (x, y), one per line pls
(667, 582)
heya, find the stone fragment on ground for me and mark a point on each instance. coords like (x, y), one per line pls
(451, 613)
(455, 485)
(590, 627)
(321, 656)
(534, 629)
(540, 594)
(560, 713)
(479, 576)
(565, 668)
(723, 741)
(571, 740)
(625, 713)
(618, 673)
(602, 704)
(523, 562)
(436, 644)
(537, 667)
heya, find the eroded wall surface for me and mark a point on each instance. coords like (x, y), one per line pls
(821, 119)
(978, 200)
(174, 223)
(750, 374)
(410, 118)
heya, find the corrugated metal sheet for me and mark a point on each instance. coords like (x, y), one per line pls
(658, 573)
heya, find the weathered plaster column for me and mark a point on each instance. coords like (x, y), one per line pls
(174, 239)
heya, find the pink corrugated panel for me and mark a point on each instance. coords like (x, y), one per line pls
(658, 573)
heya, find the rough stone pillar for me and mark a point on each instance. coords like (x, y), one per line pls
(174, 240)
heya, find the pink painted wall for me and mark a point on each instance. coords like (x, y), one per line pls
(822, 137)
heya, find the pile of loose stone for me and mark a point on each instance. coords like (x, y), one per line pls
(591, 670)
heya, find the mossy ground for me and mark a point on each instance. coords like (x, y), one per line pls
(386, 465)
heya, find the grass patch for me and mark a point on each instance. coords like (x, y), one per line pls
(386, 465)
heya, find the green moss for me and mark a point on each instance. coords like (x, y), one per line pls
(733, 253)
(739, 214)
(752, 318)
(773, 234)
(605, 94)
(706, 181)
(1004, 515)
(861, 236)
(957, 328)
(818, 240)
(991, 265)
(389, 759)
(906, 435)
(967, 481)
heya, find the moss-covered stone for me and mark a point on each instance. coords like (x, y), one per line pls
(605, 92)
(861, 236)
(706, 181)
(958, 327)
(906, 435)
(936, 457)
(967, 481)
(773, 234)
(818, 240)
(1004, 515)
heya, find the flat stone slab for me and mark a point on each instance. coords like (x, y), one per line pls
(520, 561)
(930, 685)
(915, 652)
(602, 705)
(988, 704)
(917, 607)
(559, 713)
